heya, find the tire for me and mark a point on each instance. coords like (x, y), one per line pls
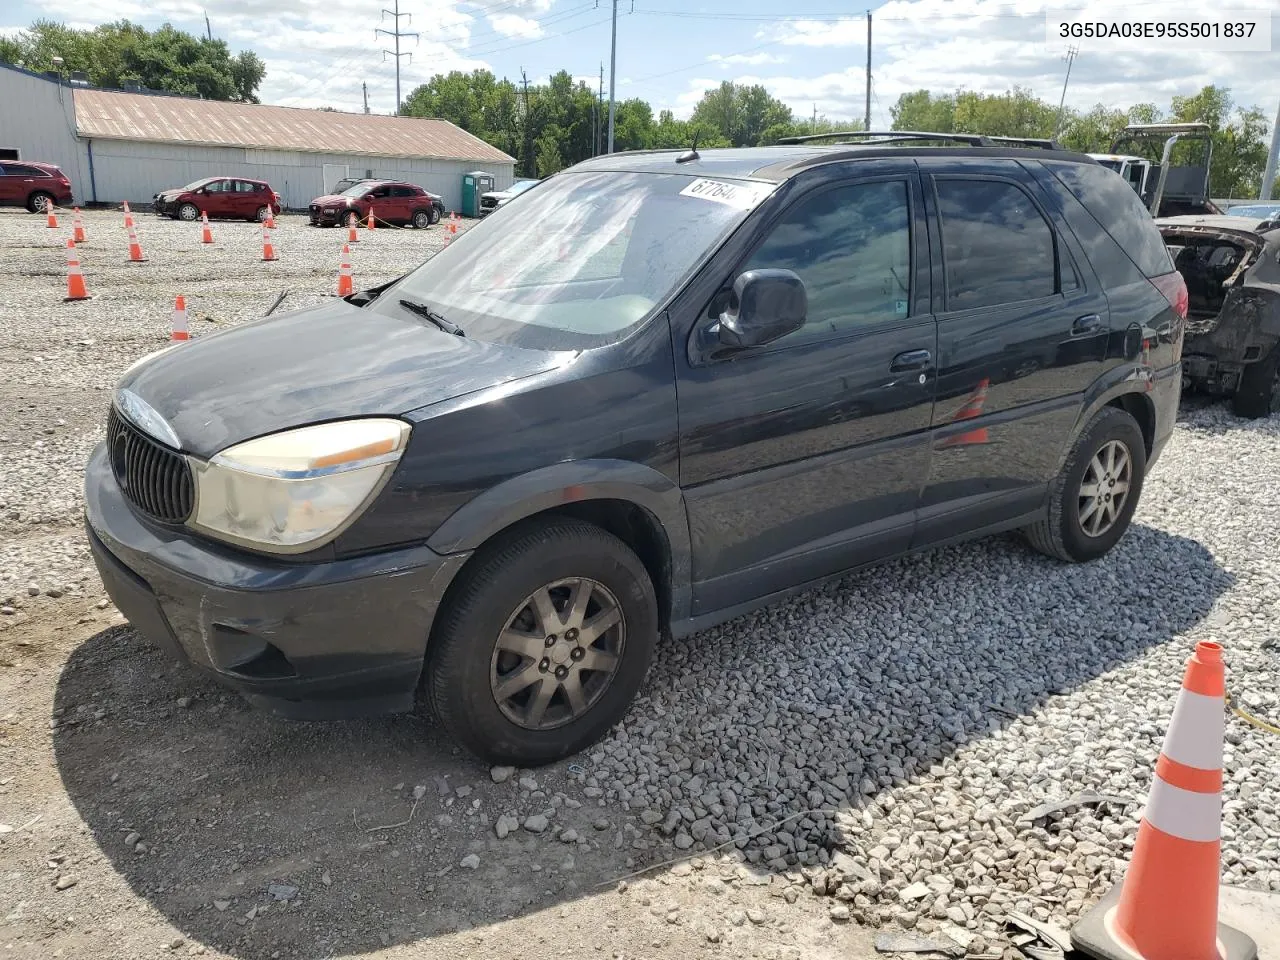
(1061, 533)
(435, 215)
(261, 215)
(188, 212)
(1258, 394)
(465, 668)
(36, 202)
(421, 219)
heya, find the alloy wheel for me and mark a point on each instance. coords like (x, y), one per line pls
(557, 653)
(1105, 488)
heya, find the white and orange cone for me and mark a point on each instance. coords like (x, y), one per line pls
(971, 410)
(50, 220)
(128, 216)
(268, 249)
(206, 235)
(371, 218)
(77, 226)
(135, 248)
(1166, 908)
(353, 235)
(345, 286)
(178, 329)
(271, 217)
(75, 279)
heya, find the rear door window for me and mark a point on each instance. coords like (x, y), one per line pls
(1118, 209)
(996, 245)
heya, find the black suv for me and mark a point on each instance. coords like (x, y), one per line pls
(667, 389)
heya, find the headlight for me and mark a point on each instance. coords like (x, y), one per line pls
(294, 491)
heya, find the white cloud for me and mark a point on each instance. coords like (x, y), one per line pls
(511, 25)
(745, 59)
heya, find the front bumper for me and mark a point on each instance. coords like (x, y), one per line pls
(306, 640)
(325, 217)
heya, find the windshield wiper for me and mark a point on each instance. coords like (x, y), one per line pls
(424, 311)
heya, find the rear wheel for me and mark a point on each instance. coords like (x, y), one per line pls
(543, 643)
(421, 219)
(1258, 394)
(1092, 500)
(188, 212)
(39, 201)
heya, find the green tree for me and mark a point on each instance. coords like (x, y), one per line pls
(741, 114)
(115, 54)
(922, 110)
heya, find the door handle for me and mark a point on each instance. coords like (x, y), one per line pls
(910, 360)
(1087, 324)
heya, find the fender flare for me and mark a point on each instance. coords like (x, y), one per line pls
(575, 481)
(1127, 378)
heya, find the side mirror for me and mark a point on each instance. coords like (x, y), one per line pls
(771, 304)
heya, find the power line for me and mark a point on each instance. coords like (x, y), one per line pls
(397, 33)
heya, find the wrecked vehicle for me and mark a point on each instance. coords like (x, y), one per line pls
(1167, 189)
(1231, 266)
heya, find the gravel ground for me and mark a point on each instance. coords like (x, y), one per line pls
(920, 748)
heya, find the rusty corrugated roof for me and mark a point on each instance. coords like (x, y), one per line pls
(112, 114)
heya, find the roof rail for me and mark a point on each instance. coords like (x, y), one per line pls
(901, 136)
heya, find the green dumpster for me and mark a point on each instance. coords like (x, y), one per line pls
(474, 184)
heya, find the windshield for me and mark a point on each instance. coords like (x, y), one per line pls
(581, 262)
(358, 189)
(1111, 164)
(197, 184)
(1259, 210)
(522, 185)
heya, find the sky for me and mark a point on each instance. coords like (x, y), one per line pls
(812, 55)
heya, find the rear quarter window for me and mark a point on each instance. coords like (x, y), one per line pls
(1115, 206)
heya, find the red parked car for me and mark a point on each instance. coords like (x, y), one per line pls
(27, 184)
(390, 200)
(233, 198)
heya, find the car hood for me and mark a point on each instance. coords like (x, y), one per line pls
(170, 194)
(498, 194)
(329, 199)
(325, 363)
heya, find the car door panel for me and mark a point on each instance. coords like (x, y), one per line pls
(1012, 375)
(801, 460)
(10, 186)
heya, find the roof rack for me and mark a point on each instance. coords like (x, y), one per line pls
(902, 136)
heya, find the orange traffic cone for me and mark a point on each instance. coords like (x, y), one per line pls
(971, 409)
(271, 217)
(128, 216)
(206, 235)
(268, 251)
(345, 287)
(353, 235)
(50, 220)
(75, 279)
(78, 227)
(1166, 908)
(370, 225)
(178, 330)
(135, 248)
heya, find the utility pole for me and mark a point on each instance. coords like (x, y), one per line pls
(613, 71)
(1070, 58)
(208, 30)
(813, 128)
(397, 33)
(1269, 175)
(526, 149)
(599, 107)
(365, 88)
(867, 120)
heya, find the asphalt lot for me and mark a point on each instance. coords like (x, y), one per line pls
(875, 753)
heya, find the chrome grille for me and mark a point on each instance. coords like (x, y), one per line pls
(154, 478)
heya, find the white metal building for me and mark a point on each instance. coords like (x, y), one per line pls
(116, 146)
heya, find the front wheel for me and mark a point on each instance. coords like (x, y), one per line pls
(1258, 394)
(1092, 500)
(421, 220)
(188, 212)
(542, 644)
(435, 215)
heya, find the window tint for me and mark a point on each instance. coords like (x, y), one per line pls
(1115, 205)
(996, 245)
(852, 248)
(244, 186)
(22, 170)
(217, 186)
(402, 191)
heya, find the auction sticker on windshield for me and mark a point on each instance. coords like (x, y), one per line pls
(742, 194)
